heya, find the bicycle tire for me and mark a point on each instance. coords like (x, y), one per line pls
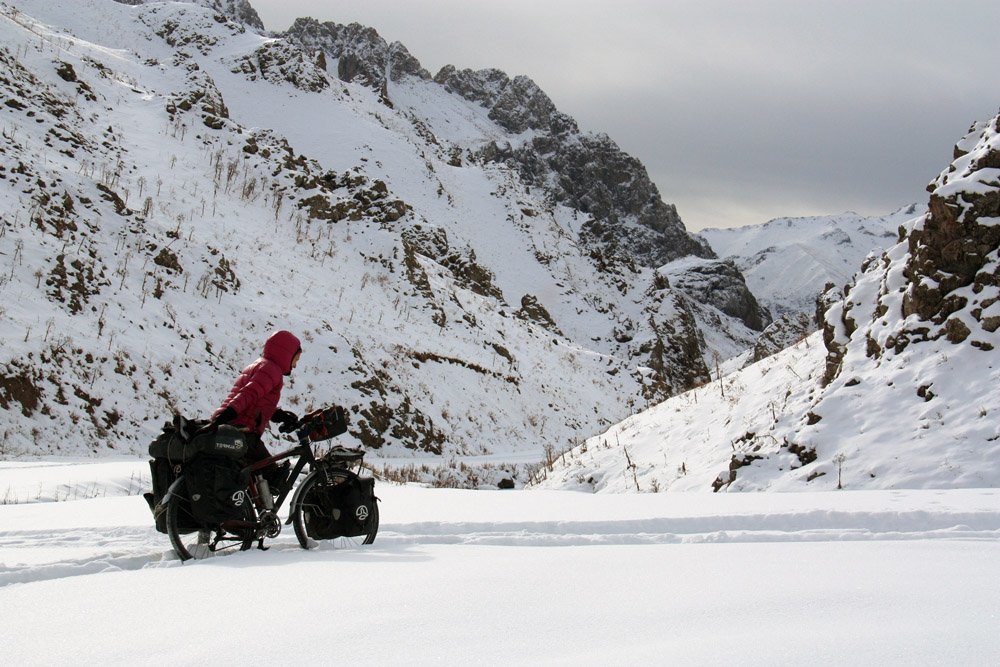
(231, 535)
(299, 514)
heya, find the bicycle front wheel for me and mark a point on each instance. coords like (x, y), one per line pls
(313, 510)
(192, 540)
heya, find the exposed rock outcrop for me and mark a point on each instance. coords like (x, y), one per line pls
(720, 284)
(956, 247)
(784, 332)
(360, 53)
(947, 282)
(675, 349)
(279, 61)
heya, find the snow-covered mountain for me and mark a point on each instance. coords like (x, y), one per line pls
(897, 391)
(471, 274)
(788, 262)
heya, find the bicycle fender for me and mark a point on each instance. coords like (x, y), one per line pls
(162, 505)
(295, 498)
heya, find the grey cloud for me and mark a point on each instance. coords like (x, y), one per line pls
(764, 109)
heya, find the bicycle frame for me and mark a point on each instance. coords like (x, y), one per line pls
(306, 457)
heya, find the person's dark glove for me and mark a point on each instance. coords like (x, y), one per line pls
(288, 420)
(226, 416)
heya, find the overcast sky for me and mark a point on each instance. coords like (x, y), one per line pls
(741, 111)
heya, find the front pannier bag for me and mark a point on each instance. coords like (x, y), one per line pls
(343, 509)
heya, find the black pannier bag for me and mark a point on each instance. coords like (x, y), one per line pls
(169, 452)
(344, 509)
(210, 466)
(227, 441)
(217, 488)
(164, 473)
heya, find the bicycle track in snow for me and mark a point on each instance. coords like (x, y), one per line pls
(46, 541)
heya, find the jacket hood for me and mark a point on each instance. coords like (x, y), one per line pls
(280, 348)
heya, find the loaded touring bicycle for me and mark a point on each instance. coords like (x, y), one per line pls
(209, 501)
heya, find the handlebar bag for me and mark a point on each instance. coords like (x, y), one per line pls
(326, 423)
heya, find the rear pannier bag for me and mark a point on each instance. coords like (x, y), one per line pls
(340, 510)
(217, 488)
(209, 463)
(164, 473)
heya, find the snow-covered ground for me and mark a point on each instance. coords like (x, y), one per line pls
(457, 577)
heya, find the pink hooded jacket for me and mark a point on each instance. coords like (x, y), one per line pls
(255, 395)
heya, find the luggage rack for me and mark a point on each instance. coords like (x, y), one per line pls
(342, 456)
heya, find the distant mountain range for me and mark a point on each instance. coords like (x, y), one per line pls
(788, 262)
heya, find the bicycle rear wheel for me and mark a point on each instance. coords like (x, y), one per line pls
(311, 508)
(191, 540)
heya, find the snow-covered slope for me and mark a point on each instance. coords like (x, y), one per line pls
(175, 185)
(787, 262)
(897, 391)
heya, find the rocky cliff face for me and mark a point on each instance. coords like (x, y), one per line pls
(951, 270)
(588, 172)
(721, 285)
(359, 52)
(628, 219)
(953, 255)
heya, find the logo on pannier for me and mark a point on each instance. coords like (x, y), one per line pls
(362, 513)
(229, 444)
(238, 498)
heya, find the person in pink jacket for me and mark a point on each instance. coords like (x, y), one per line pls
(253, 401)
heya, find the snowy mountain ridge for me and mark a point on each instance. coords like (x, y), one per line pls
(787, 262)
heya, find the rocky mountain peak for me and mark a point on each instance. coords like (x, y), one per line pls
(239, 11)
(630, 222)
(360, 52)
(586, 171)
(517, 104)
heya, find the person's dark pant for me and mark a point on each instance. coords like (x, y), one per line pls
(275, 473)
(255, 448)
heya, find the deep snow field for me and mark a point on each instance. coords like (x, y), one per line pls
(554, 577)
